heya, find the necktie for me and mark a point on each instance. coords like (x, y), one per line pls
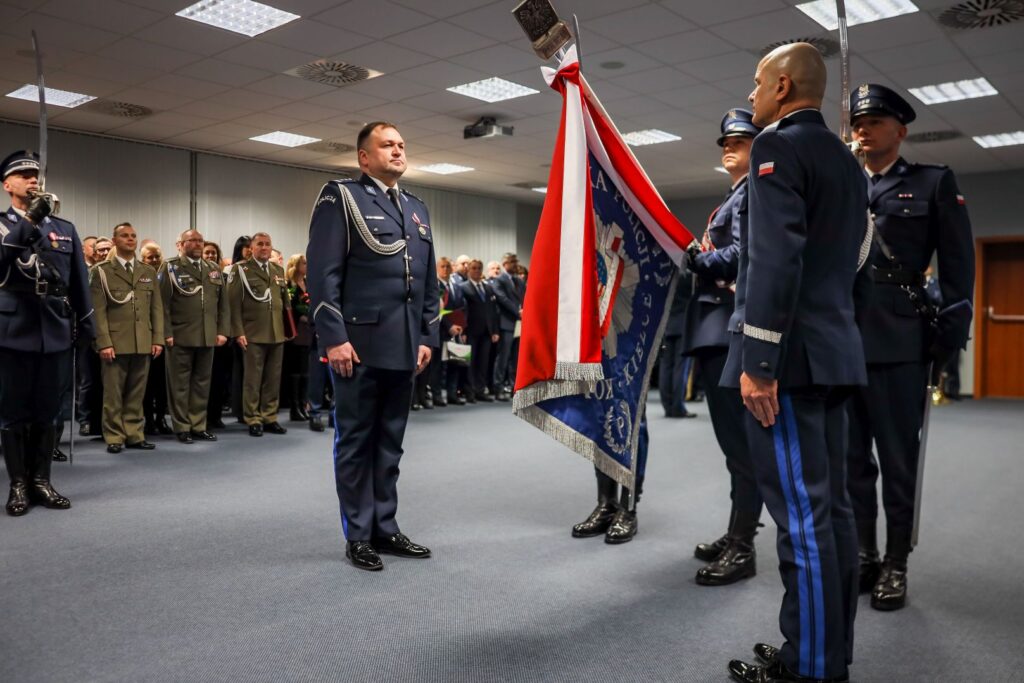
(128, 267)
(875, 178)
(480, 290)
(393, 194)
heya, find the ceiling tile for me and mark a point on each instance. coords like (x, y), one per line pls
(305, 111)
(154, 99)
(441, 40)
(730, 65)
(498, 59)
(691, 95)
(988, 41)
(382, 56)
(148, 54)
(106, 14)
(346, 100)
(752, 33)
(390, 87)
(188, 87)
(638, 24)
(198, 38)
(314, 37)
(685, 47)
(719, 11)
(442, 74)
(494, 21)
(248, 99)
(219, 71)
(260, 55)
(59, 32)
(444, 9)
(269, 122)
(290, 87)
(375, 18)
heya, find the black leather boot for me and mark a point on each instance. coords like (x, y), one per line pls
(601, 518)
(867, 554)
(739, 559)
(624, 526)
(709, 552)
(39, 450)
(13, 441)
(58, 454)
(298, 400)
(890, 591)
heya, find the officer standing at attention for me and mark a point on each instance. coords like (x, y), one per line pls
(44, 295)
(259, 297)
(918, 211)
(715, 266)
(798, 357)
(129, 330)
(196, 321)
(375, 303)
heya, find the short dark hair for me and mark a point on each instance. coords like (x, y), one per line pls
(365, 131)
(117, 227)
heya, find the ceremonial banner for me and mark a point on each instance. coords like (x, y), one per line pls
(602, 276)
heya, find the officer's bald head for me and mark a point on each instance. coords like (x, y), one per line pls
(788, 78)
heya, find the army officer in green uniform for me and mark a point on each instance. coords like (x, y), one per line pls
(259, 296)
(129, 330)
(196, 320)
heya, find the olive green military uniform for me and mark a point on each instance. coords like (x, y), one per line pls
(258, 298)
(129, 318)
(195, 311)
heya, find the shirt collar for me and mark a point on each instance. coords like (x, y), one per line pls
(124, 262)
(883, 171)
(18, 211)
(379, 183)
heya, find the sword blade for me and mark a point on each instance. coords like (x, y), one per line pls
(42, 112)
(921, 451)
(844, 72)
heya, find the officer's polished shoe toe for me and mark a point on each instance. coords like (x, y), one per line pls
(890, 593)
(738, 562)
(315, 424)
(17, 501)
(709, 552)
(274, 428)
(114, 448)
(597, 522)
(870, 569)
(766, 653)
(400, 545)
(255, 430)
(363, 556)
(59, 455)
(623, 528)
(185, 437)
(141, 445)
(203, 436)
(775, 672)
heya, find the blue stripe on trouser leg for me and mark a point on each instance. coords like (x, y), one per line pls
(805, 547)
(337, 441)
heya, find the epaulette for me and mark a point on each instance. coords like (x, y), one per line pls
(346, 180)
(941, 167)
(405, 191)
(215, 266)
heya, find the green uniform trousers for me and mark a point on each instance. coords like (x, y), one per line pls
(261, 386)
(124, 387)
(189, 369)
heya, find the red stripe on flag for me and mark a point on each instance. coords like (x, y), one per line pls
(767, 168)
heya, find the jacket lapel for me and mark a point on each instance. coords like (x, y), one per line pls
(890, 180)
(381, 199)
(123, 274)
(255, 267)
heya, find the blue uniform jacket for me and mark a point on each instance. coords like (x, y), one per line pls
(918, 212)
(511, 292)
(707, 317)
(33, 323)
(362, 297)
(807, 204)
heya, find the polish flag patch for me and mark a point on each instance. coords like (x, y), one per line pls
(767, 168)
(960, 200)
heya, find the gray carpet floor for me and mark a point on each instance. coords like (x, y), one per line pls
(225, 562)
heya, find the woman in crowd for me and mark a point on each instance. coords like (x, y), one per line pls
(296, 351)
(220, 379)
(241, 252)
(211, 252)
(154, 404)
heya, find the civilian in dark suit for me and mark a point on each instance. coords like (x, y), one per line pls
(481, 327)
(798, 358)
(510, 292)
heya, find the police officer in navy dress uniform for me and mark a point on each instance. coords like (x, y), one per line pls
(798, 357)
(44, 303)
(918, 212)
(715, 266)
(375, 302)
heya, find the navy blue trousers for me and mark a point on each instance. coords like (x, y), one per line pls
(801, 470)
(371, 409)
(32, 386)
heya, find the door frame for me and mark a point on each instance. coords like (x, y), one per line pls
(981, 305)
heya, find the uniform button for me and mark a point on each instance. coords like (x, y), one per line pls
(409, 299)
(408, 237)
(354, 318)
(764, 365)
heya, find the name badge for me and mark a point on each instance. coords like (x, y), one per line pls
(145, 280)
(374, 218)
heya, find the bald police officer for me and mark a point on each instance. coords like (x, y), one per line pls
(44, 300)
(918, 212)
(196, 320)
(259, 297)
(373, 284)
(129, 331)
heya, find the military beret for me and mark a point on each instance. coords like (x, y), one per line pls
(737, 123)
(872, 98)
(22, 160)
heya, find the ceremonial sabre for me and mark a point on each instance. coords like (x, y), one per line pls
(921, 449)
(844, 73)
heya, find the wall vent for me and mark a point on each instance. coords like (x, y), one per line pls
(123, 110)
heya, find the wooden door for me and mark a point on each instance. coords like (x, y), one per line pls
(999, 318)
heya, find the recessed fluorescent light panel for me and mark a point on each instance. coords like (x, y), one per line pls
(493, 90)
(285, 139)
(1000, 139)
(240, 16)
(445, 169)
(857, 11)
(954, 91)
(649, 137)
(58, 98)
(721, 169)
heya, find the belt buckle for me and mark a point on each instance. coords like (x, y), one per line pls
(42, 287)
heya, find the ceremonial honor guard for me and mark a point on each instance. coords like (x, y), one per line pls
(44, 304)
(375, 298)
(715, 266)
(259, 301)
(129, 331)
(918, 212)
(196, 321)
(798, 357)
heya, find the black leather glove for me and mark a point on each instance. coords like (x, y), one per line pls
(38, 209)
(940, 355)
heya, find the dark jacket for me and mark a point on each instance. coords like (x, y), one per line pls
(481, 314)
(510, 292)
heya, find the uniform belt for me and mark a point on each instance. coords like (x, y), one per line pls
(40, 288)
(888, 276)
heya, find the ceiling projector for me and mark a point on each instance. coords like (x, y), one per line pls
(486, 127)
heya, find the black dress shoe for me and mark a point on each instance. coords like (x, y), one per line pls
(141, 445)
(203, 436)
(709, 552)
(363, 556)
(17, 500)
(59, 455)
(162, 427)
(315, 424)
(114, 448)
(470, 398)
(767, 654)
(440, 402)
(428, 405)
(274, 428)
(890, 593)
(623, 527)
(486, 398)
(459, 400)
(215, 423)
(870, 569)
(256, 430)
(776, 672)
(597, 522)
(504, 396)
(415, 406)
(738, 562)
(84, 429)
(400, 545)
(185, 437)
(42, 492)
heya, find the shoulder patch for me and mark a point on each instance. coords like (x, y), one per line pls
(405, 191)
